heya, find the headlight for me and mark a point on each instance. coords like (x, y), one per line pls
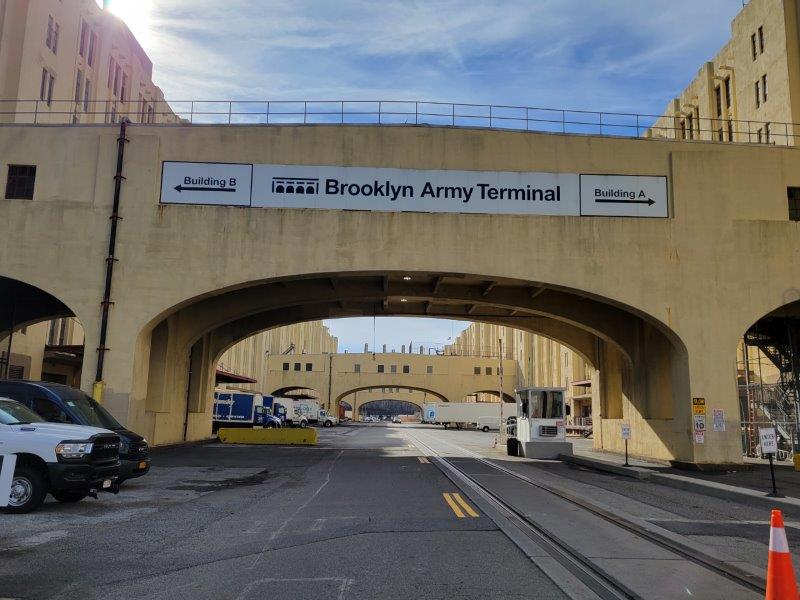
(124, 445)
(74, 449)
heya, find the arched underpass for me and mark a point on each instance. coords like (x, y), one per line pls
(640, 364)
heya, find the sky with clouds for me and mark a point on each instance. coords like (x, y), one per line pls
(610, 55)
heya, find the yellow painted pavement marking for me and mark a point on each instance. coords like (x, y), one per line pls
(423, 460)
(467, 508)
(456, 509)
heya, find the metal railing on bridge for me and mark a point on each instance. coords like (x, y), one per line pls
(398, 112)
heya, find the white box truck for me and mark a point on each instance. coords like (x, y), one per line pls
(308, 412)
(466, 414)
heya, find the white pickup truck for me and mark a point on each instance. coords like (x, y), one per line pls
(68, 461)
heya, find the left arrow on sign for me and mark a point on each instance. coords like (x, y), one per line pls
(181, 188)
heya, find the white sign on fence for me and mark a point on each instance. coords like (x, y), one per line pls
(413, 190)
(9, 462)
(768, 439)
(719, 419)
(626, 431)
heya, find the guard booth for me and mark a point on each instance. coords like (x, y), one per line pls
(539, 431)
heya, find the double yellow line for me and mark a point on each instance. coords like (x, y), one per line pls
(459, 505)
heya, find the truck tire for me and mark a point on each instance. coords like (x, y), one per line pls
(271, 425)
(28, 490)
(485, 429)
(69, 496)
(327, 424)
(303, 424)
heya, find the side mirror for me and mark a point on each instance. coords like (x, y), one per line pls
(568, 410)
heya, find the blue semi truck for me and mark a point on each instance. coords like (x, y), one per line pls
(244, 409)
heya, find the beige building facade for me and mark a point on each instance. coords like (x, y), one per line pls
(71, 61)
(541, 361)
(749, 92)
(656, 306)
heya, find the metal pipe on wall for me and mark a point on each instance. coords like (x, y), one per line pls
(110, 260)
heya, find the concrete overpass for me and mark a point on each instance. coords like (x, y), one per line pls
(656, 305)
(443, 378)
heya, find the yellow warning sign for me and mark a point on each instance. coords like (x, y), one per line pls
(698, 406)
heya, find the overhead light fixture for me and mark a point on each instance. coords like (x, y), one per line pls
(406, 277)
(403, 299)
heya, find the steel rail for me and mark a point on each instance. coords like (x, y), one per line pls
(710, 563)
(596, 579)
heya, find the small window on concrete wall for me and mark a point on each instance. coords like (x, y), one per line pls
(794, 203)
(285, 366)
(19, 185)
(309, 366)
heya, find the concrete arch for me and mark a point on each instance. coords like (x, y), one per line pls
(627, 348)
(399, 401)
(437, 395)
(287, 391)
(23, 304)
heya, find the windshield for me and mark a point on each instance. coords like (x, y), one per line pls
(93, 414)
(14, 413)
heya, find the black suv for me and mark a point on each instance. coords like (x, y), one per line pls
(57, 403)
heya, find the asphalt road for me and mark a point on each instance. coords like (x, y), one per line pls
(366, 514)
(362, 516)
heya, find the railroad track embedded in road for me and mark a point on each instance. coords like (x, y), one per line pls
(594, 577)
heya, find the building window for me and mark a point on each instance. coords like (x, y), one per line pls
(296, 366)
(82, 40)
(92, 45)
(730, 130)
(794, 203)
(78, 86)
(690, 126)
(761, 38)
(476, 371)
(759, 136)
(683, 129)
(87, 95)
(285, 366)
(356, 368)
(764, 87)
(46, 89)
(51, 40)
(380, 369)
(766, 133)
(123, 92)
(110, 72)
(117, 73)
(406, 369)
(488, 370)
(16, 372)
(753, 46)
(429, 370)
(19, 185)
(758, 93)
(728, 101)
(309, 366)
(718, 96)
(394, 368)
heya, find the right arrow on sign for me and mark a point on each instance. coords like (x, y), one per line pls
(649, 201)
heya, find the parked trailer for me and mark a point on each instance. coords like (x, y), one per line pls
(465, 414)
(241, 409)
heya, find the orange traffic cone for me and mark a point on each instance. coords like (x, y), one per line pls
(781, 584)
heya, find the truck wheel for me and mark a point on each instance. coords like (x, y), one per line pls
(270, 425)
(69, 496)
(303, 424)
(28, 490)
(485, 429)
(327, 424)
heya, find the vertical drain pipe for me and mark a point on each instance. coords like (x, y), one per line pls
(97, 390)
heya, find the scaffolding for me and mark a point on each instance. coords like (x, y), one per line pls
(769, 384)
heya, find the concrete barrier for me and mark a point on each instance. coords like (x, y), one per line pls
(9, 461)
(281, 437)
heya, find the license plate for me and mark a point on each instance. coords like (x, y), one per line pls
(143, 464)
(106, 484)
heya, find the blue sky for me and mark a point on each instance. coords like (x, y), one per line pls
(609, 55)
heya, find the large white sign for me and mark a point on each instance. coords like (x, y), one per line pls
(768, 439)
(412, 190)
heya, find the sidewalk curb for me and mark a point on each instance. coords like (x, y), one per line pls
(691, 484)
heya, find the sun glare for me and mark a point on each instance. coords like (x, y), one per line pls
(136, 14)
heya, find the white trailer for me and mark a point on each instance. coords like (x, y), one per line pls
(465, 414)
